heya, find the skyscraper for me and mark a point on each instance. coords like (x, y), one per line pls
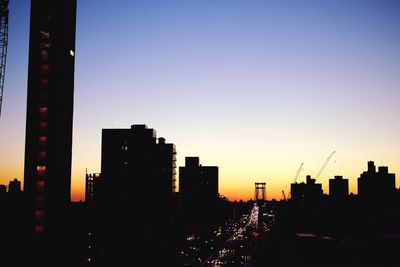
(376, 185)
(48, 144)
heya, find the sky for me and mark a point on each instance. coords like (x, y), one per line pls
(254, 87)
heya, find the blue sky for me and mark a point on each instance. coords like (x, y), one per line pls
(255, 87)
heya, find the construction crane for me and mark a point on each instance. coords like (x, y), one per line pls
(296, 176)
(297, 173)
(324, 165)
(284, 196)
(3, 45)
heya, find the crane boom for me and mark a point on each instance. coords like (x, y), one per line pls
(324, 165)
(3, 44)
(298, 172)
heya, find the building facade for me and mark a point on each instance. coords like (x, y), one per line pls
(338, 188)
(309, 192)
(134, 159)
(48, 143)
(376, 185)
(198, 185)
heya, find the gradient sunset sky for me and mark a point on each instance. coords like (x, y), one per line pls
(254, 87)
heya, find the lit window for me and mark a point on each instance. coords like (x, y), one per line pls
(41, 170)
(39, 229)
(45, 35)
(40, 186)
(71, 52)
(43, 112)
(44, 68)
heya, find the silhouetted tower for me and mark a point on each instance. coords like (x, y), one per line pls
(48, 143)
(373, 185)
(14, 187)
(3, 45)
(338, 188)
(198, 185)
(260, 192)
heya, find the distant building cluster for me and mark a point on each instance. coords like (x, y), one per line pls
(372, 185)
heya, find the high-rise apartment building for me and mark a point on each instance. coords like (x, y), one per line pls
(48, 144)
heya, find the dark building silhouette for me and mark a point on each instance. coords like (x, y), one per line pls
(198, 185)
(338, 188)
(133, 197)
(376, 185)
(48, 143)
(3, 190)
(133, 159)
(14, 187)
(308, 192)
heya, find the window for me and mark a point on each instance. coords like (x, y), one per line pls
(42, 155)
(45, 45)
(43, 126)
(39, 229)
(45, 35)
(43, 112)
(44, 68)
(40, 186)
(39, 215)
(41, 170)
(42, 140)
(44, 54)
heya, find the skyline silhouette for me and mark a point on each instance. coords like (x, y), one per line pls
(136, 212)
(281, 83)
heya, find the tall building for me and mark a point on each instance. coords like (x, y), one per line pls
(134, 196)
(198, 186)
(338, 188)
(134, 159)
(309, 192)
(48, 143)
(376, 185)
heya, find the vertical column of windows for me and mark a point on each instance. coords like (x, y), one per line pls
(41, 167)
